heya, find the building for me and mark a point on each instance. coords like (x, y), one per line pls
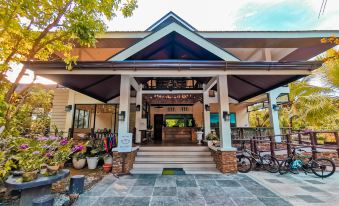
(172, 78)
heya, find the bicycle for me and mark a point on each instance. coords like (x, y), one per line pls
(321, 167)
(246, 159)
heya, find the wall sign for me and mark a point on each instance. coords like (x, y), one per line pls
(125, 142)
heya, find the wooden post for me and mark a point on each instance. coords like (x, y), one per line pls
(299, 138)
(272, 146)
(313, 137)
(288, 144)
(337, 141)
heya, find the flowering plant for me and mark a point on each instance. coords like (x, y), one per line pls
(79, 151)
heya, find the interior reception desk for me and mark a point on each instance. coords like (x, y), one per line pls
(178, 134)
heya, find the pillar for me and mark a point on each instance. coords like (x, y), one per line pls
(224, 125)
(207, 120)
(274, 114)
(138, 115)
(124, 104)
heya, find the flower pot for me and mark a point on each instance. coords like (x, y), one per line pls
(108, 159)
(53, 168)
(78, 163)
(30, 176)
(209, 143)
(107, 167)
(199, 136)
(92, 162)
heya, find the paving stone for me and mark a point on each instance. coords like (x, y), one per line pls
(274, 181)
(85, 200)
(165, 191)
(228, 183)
(218, 201)
(186, 183)
(237, 192)
(125, 182)
(268, 201)
(247, 201)
(206, 183)
(309, 198)
(145, 182)
(98, 190)
(147, 176)
(188, 193)
(164, 201)
(203, 176)
(136, 201)
(261, 191)
(311, 189)
(140, 191)
(192, 202)
(109, 201)
(116, 191)
(213, 191)
(316, 182)
(166, 181)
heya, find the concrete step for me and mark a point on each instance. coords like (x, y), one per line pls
(173, 165)
(173, 153)
(174, 158)
(202, 171)
(146, 171)
(175, 148)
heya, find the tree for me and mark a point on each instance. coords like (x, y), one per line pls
(33, 30)
(37, 29)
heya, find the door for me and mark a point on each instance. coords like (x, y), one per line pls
(158, 123)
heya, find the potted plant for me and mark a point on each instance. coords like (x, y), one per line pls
(58, 153)
(92, 159)
(199, 133)
(107, 167)
(212, 138)
(79, 157)
(108, 159)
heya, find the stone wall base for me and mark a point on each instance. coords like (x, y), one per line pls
(226, 161)
(123, 162)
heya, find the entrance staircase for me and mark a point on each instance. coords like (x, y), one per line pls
(193, 159)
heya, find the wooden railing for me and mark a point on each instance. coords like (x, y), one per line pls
(309, 139)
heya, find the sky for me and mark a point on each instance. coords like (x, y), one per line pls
(227, 15)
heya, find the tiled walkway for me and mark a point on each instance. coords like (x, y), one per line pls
(195, 190)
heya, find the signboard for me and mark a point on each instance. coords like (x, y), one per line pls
(143, 124)
(125, 142)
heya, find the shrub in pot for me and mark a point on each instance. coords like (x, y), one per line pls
(108, 159)
(211, 138)
(92, 159)
(79, 158)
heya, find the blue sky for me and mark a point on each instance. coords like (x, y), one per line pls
(235, 15)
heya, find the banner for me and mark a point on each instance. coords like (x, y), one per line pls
(125, 142)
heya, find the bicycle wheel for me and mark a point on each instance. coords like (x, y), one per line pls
(323, 167)
(284, 166)
(270, 163)
(244, 164)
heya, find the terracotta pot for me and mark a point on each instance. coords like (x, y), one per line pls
(53, 168)
(107, 167)
(78, 163)
(29, 176)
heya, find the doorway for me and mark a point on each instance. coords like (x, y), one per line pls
(158, 124)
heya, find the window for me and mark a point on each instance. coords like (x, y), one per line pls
(81, 118)
(179, 120)
(214, 119)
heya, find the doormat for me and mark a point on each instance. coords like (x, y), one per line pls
(173, 171)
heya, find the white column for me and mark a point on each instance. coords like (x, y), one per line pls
(138, 115)
(274, 115)
(224, 126)
(207, 120)
(124, 104)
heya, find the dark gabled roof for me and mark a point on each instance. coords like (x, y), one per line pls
(169, 18)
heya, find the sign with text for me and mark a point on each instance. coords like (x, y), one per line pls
(125, 142)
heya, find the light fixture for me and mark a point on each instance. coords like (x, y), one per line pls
(68, 108)
(122, 116)
(207, 107)
(226, 116)
(275, 107)
(137, 108)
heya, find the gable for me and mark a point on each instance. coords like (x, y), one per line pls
(184, 32)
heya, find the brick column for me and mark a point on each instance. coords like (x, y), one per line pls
(123, 162)
(225, 160)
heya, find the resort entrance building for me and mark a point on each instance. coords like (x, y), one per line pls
(168, 82)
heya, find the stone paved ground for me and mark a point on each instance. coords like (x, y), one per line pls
(301, 189)
(186, 190)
